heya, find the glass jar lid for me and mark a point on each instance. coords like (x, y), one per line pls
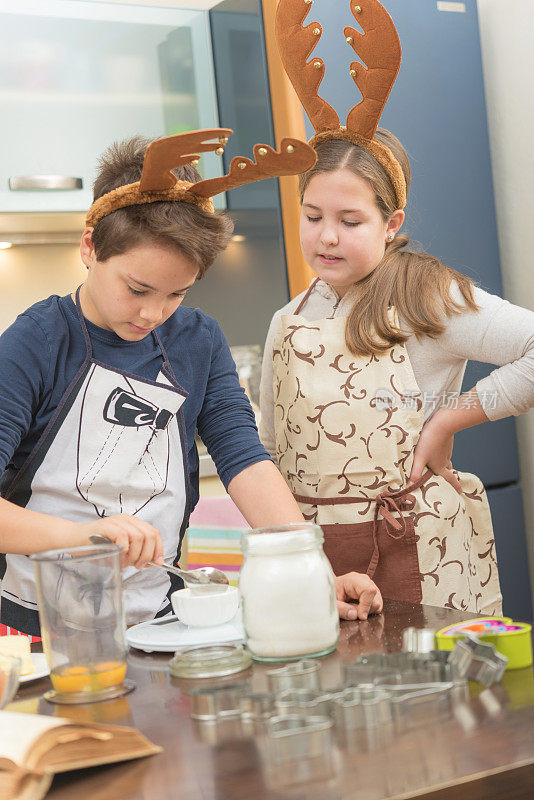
(210, 662)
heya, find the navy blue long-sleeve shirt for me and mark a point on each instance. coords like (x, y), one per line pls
(44, 348)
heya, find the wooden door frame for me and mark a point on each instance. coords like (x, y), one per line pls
(288, 120)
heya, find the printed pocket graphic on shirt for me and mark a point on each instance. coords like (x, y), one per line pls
(130, 410)
(123, 442)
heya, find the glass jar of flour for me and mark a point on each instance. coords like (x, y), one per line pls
(288, 593)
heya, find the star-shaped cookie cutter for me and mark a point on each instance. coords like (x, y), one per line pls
(477, 660)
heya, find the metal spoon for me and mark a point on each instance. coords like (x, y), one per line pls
(203, 576)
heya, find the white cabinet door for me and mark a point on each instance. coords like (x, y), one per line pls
(76, 76)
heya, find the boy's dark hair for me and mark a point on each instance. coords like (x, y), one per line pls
(198, 235)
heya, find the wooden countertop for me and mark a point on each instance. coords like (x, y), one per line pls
(486, 755)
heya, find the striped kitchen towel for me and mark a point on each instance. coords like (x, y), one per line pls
(213, 536)
(6, 630)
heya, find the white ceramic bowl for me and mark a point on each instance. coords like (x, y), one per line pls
(205, 610)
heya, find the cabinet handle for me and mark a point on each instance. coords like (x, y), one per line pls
(44, 183)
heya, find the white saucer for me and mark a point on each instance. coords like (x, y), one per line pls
(40, 668)
(166, 637)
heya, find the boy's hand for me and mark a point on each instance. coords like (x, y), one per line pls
(140, 541)
(355, 586)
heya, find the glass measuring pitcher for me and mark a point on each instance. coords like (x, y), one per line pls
(79, 591)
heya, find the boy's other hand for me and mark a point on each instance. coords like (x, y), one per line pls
(140, 541)
(356, 586)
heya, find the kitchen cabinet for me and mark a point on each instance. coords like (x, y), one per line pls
(77, 75)
(242, 94)
(249, 281)
(506, 505)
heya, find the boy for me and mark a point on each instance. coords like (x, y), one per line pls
(101, 392)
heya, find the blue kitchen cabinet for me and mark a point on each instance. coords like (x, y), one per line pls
(507, 513)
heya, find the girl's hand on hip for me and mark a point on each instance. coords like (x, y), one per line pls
(434, 451)
(355, 586)
(140, 541)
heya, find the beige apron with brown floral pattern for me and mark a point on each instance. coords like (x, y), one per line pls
(346, 428)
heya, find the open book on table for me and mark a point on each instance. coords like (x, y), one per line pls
(33, 748)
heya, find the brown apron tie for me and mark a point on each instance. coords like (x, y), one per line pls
(306, 296)
(385, 504)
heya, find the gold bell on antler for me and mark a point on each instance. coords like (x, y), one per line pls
(219, 151)
(195, 162)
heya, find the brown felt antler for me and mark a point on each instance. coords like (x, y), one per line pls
(295, 44)
(293, 157)
(380, 50)
(167, 154)
(378, 46)
(158, 183)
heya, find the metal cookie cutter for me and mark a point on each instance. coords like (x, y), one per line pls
(457, 689)
(298, 675)
(304, 702)
(294, 737)
(375, 668)
(362, 707)
(425, 704)
(257, 705)
(221, 731)
(418, 640)
(215, 702)
(430, 667)
(399, 668)
(370, 673)
(477, 660)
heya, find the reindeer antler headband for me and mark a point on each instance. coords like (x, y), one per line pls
(380, 50)
(159, 183)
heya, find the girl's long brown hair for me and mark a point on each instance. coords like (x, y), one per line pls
(416, 284)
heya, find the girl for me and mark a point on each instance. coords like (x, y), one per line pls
(346, 367)
(101, 391)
